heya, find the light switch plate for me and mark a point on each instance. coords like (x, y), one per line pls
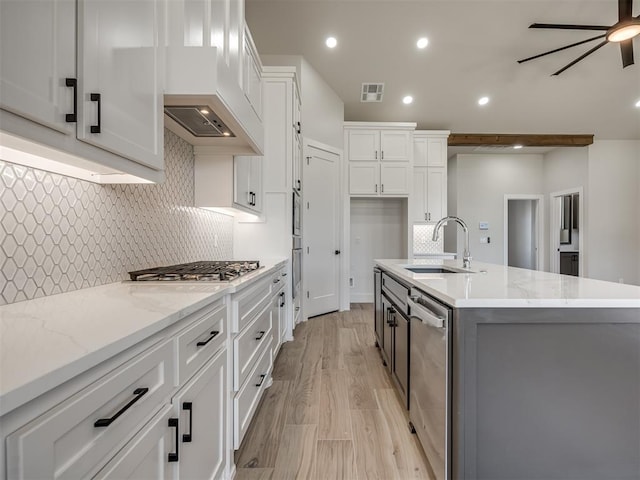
(484, 225)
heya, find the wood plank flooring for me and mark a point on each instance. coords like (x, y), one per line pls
(332, 411)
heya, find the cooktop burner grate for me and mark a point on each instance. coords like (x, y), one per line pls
(202, 271)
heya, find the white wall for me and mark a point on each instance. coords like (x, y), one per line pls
(613, 230)
(482, 182)
(322, 109)
(378, 230)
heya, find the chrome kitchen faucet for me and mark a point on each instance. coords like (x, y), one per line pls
(466, 257)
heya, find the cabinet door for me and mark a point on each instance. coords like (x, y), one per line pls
(297, 162)
(364, 145)
(436, 152)
(37, 55)
(418, 198)
(394, 179)
(363, 178)
(275, 318)
(255, 183)
(241, 173)
(120, 58)
(396, 146)
(146, 456)
(420, 148)
(436, 193)
(202, 407)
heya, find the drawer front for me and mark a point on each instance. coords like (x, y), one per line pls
(247, 399)
(198, 342)
(249, 302)
(248, 346)
(66, 443)
(395, 290)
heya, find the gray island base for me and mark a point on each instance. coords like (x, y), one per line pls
(545, 394)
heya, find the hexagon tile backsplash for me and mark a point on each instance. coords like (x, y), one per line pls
(59, 234)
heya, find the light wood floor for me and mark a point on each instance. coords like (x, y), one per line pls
(332, 412)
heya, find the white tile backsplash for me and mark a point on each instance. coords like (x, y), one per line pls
(59, 234)
(422, 240)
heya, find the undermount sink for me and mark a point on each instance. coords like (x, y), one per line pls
(435, 269)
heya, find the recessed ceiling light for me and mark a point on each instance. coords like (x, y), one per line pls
(638, 104)
(483, 101)
(204, 111)
(423, 42)
(407, 100)
(517, 147)
(331, 42)
(226, 134)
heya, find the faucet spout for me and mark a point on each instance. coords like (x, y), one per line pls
(466, 257)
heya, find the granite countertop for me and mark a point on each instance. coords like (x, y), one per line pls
(49, 340)
(496, 286)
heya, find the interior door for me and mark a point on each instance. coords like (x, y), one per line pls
(320, 232)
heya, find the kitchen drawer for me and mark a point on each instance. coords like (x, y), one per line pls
(395, 290)
(246, 400)
(198, 342)
(249, 302)
(248, 346)
(66, 443)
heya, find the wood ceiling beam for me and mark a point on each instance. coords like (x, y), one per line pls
(542, 140)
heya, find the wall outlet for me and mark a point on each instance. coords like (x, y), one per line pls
(485, 239)
(351, 281)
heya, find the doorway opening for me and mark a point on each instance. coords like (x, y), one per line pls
(566, 230)
(523, 240)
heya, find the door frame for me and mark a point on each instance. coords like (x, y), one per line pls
(554, 226)
(539, 226)
(306, 144)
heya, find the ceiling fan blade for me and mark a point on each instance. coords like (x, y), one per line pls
(625, 9)
(626, 49)
(564, 26)
(600, 45)
(561, 48)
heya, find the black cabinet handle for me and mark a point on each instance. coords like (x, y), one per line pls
(262, 377)
(173, 423)
(282, 300)
(96, 97)
(260, 334)
(337, 252)
(214, 334)
(188, 406)
(299, 185)
(105, 422)
(299, 129)
(73, 83)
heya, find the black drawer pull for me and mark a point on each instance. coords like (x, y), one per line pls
(188, 406)
(214, 334)
(105, 422)
(260, 334)
(73, 83)
(173, 457)
(95, 97)
(282, 300)
(262, 377)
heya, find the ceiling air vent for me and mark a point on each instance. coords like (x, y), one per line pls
(372, 92)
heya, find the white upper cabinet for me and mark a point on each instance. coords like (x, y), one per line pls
(121, 69)
(38, 61)
(430, 148)
(252, 78)
(81, 87)
(379, 157)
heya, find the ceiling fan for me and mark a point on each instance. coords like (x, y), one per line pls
(621, 32)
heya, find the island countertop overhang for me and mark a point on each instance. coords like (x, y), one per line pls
(487, 285)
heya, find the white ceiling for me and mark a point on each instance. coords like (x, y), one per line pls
(473, 49)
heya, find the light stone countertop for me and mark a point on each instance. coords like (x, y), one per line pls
(497, 286)
(49, 340)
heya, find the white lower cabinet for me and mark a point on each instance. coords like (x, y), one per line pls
(201, 406)
(146, 457)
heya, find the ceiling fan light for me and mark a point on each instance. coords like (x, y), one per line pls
(624, 32)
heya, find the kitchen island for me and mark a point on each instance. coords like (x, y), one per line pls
(529, 375)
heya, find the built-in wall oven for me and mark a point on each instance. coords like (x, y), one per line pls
(430, 378)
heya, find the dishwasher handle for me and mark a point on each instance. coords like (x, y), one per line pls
(425, 315)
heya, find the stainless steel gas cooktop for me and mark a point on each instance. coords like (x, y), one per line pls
(203, 271)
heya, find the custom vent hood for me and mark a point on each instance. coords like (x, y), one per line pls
(204, 102)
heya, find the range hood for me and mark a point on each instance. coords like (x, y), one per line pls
(204, 103)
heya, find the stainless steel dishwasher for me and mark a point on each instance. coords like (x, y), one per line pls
(430, 378)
